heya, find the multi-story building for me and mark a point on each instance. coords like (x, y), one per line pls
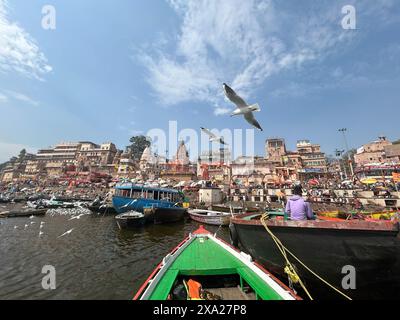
(275, 150)
(16, 168)
(214, 165)
(83, 156)
(311, 155)
(392, 153)
(313, 160)
(62, 153)
(126, 166)
(373, 152)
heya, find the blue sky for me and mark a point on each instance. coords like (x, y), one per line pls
(112, 69)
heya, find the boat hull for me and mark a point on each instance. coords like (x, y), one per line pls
(164, 215)
(222, 220)
(23, 213)
(375, 255)
(102, 209)
(129, 223)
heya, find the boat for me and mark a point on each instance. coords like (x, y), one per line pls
(130, 219)
(103, 208)
(164, 215)
(210, 217)
(204, 267)
(55, 204)
(234, 209)
(129, 197)
(382, 215)
(226, 208)
(24, 212)
(326, 247)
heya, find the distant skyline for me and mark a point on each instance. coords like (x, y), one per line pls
(114, 69)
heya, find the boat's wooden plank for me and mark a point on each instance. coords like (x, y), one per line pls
(164, 287)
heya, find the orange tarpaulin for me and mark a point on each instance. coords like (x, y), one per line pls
(193, 288)
(396, 177)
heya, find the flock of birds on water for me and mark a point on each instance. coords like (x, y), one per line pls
(75, 214)
(242, 109)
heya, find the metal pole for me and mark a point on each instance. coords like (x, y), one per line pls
(338, 154)
(344, 130)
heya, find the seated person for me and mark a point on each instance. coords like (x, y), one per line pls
(297, 207)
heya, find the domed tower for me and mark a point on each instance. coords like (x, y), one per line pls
(146, 159)
(182, 155)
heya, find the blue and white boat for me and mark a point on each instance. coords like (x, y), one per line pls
(134, 197)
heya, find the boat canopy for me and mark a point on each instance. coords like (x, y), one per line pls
(144, 188)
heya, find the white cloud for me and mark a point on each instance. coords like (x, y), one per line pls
(19, 52)
(242, 43)
(22, 97)
(3, 98)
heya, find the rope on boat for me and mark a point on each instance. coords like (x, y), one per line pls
(289, 269)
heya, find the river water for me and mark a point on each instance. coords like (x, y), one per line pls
(95, 261)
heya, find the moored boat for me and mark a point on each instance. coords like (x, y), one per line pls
(203, 267)
(103, 209)
(371, 247)
(24, 212)
(137, 197)
(210, 217)
(130, 219)
(164, 215)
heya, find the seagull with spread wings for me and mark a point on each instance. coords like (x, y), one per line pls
(213, 137)
(242, 107)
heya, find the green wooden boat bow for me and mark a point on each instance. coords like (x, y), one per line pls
(203, 255)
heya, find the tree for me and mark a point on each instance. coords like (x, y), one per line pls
(138, 144)
(396, 142)
(22, 154)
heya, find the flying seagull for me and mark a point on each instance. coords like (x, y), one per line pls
(213, 137)
(242, 107)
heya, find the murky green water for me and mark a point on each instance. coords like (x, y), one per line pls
(95, 261)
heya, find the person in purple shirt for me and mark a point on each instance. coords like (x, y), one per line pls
(297, 207)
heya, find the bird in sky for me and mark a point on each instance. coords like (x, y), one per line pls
(242, 107)
(213, 137)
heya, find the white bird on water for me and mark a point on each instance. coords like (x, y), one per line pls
(65, 233)
(26, 226)
(40, 233)
(31, 217)
(213, 137)
(242, 107)
(41, 225)
(76, 217)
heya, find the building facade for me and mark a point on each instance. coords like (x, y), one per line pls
(373, 152)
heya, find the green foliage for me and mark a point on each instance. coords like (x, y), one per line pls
(138, 144)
